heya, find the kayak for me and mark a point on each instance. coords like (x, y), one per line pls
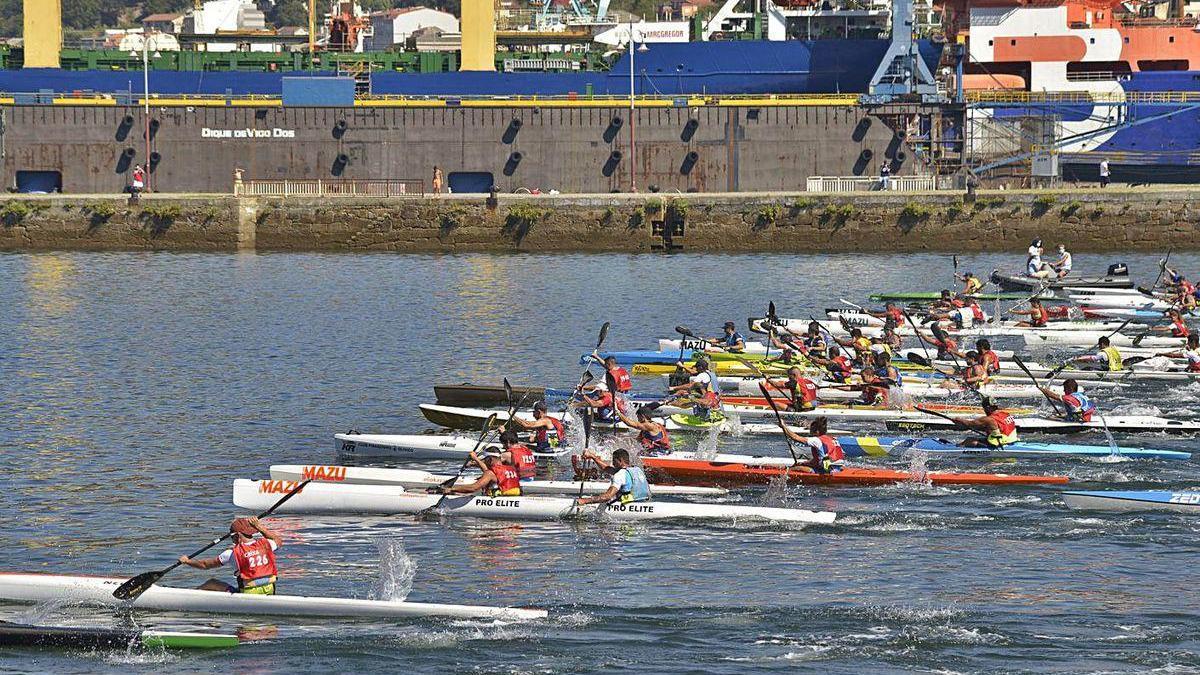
(71, 637)
(755, 404)
(332, 498)
(872, 446)
(1137, 315)
(486, 396)
(1002, 327)
(719, 367)
(1021, 282)
(933, 296)
(1122, 302)
(421, 446)
(841, 412)
(411, 479)
(696, 471)
(1118, 423)
(453, 417)
(1122, 500)
(98, 590)
(1089, 338)
(938, 388)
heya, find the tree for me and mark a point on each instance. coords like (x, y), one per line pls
(165, 6)
(10, 17)
(80, 13)
(289, 13)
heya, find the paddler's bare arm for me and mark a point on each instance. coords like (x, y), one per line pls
(486, 479)
(269, 534)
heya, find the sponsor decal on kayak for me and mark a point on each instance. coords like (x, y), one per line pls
(632, 508)
(278, 487)
(495, 501)
(325, 473)
(1184, 498)
(691, 344)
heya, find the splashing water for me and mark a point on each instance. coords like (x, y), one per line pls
(899, 399)
(776, 493)
(917, 464)
(707, 447)
(574, 424)
(734, 425)
(396, 571)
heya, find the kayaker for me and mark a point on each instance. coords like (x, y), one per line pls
(890, 311)
(965, 315)
(1178, 327)
(628, 484)
(1000, 427)
(814, 341)
(878, 380)
(859, 344)
(702, 387)
(1038, 316)
(498, 479)
(975, 374)
(651, 434)
(620, 376)
(971, 284)
(1106, 357)
(945, 345)
(731, 341)
(518, 455)
(837, 365)
(945, 303)
(890, 340)
(989, 358)
(1191, 352)
(601, 401)
(1062, 266)
(802, 392)
(1079, 406)
(827, 454)
(548, 432)
(1186, 295)
(253, 559)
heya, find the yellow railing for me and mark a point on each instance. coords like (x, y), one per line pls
(1082, 97)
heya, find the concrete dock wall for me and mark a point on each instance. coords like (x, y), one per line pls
(1088, 220)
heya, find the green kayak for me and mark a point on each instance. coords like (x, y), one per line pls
(70, 637)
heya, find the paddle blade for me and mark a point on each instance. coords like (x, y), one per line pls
(487, 426)
(587, 378)
(508, 396)
(771, 309)
(918, 359)
(685, 331)
(603, 335)
(134, 587)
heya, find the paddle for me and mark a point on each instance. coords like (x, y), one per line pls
(587, 413)
(779, 421)
(957, 422)
(687, 332)
(487, 429)
(1162, 268)
(851, 304)
(587, 372)
(917, 331)
(139, 584)
(770, 326)
(1022, 366)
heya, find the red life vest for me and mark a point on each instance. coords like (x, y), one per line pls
(957, 304)
(991, 362)
(542, 437)
(655, 442)
(1179, 328)
(605, 400)
(833, 449)
(896, 315)
(1040, 318)
(803, 390)
(840, 366)
(1082, 411)
(255, 560)
(977, 312)
(507, 478)
(1005, 422)
(524, 460)
(621, 379)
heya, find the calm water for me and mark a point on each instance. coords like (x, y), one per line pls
(135, 387)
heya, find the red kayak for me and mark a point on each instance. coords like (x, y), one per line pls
(699, 472)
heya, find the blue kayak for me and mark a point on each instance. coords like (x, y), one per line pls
(859, 446)
(1120, 500)
(633, 357)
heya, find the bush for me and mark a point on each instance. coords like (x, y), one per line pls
(915, 211)
(521, 218)
(767, 215)
(1070, 209)
(678, 209)
(1042, 204)
(803, 203)
(14, 212)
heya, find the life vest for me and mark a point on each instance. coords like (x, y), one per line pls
(1179, 329)
(544, 439)
(977, 312)
(957, 304)
(804, 393)
(1040, 317)
(1114, 358)
(621, 379)
(840, 368)
(944, 347)
(829, 456)
(711, 400)
(980, 370)
(973, 286)
(1005, 432)
(876, 392)
(508, 481)
(524, 461)
(731, 340)
(815, 344)
(991, 362)
(1079, 407)
(655, 443)
(255, 563)
(896, 315)
(635, 488)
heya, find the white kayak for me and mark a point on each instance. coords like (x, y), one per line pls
(412, 479)
(419, 446)
(1138, 301)
(923, 389)
(337, 499)
(1002, 327)
(835, 414)
(98, 590)
(1115, 423)
(1089, 338)
(1130, 500)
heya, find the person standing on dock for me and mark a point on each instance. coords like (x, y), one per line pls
(138, 184)
(1105, 173)
(885, 175)
(437, 180)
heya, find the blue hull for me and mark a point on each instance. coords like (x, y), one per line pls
(735, 67)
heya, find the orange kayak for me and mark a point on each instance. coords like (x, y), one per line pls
(699, 472)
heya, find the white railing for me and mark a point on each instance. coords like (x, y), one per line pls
(866, 184)
(330, 188)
